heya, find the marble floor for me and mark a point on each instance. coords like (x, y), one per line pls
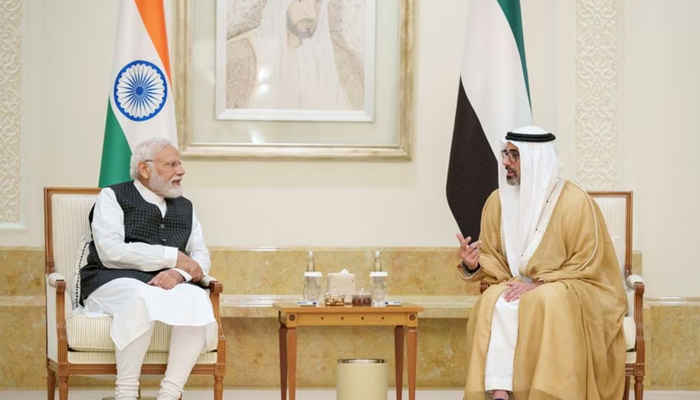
(231, 394)
(307, 394)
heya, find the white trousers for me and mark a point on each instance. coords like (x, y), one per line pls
(134, 307)
(501, 351)
(186, 344)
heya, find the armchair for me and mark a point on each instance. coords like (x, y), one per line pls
(617, 212)
(80, 345)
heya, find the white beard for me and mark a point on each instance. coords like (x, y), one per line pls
(163, 187)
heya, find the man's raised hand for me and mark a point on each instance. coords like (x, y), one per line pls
(469, 252)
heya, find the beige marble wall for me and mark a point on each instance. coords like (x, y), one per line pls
(425, 274)
(21, 272)
(412, 271)
(22, 352)
(674, 356)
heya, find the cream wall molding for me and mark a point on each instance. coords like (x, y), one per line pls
(10, 113)
(260, 306)
(672, 301)
(597, 92)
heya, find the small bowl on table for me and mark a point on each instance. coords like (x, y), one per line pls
(361, 299)
(334, 299)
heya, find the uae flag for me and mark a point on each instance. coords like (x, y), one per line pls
(493, 99)
(140, 95)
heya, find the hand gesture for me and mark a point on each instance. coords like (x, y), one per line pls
(469, 252)
(167, 279)
(517, 289)
(187, 264)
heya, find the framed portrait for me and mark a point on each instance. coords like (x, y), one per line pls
(293, 79)
(308, 60)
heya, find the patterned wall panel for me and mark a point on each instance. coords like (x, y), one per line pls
(597, 92)
(10, 110)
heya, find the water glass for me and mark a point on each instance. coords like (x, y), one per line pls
(378, 282)
(312, 286)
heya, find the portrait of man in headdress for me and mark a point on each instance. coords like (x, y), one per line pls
(296, 54)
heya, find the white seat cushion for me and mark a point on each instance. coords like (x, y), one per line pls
(91, 334)
(630, 332)
(83, 357)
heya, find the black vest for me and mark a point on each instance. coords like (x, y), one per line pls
(143, 223)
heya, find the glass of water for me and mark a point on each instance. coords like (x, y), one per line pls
(378, 282)
(312, 285)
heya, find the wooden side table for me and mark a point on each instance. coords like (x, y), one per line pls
(292, 316)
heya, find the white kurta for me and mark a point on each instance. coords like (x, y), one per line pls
(108, 234)
(133, 304)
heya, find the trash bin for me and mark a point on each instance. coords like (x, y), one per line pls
(362, 379)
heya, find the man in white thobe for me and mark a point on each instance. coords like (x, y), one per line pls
(147, 246)
(522, 208)
(550, 325)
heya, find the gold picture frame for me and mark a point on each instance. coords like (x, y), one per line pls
(208, 138)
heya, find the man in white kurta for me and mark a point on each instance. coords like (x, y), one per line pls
(147, 246)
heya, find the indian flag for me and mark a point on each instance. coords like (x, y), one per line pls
(493, 99)
(140, 97)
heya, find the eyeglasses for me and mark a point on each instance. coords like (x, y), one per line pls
(169, 165)
(511, 155)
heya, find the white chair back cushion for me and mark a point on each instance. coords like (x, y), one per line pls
(614, 211)
(70, 229)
